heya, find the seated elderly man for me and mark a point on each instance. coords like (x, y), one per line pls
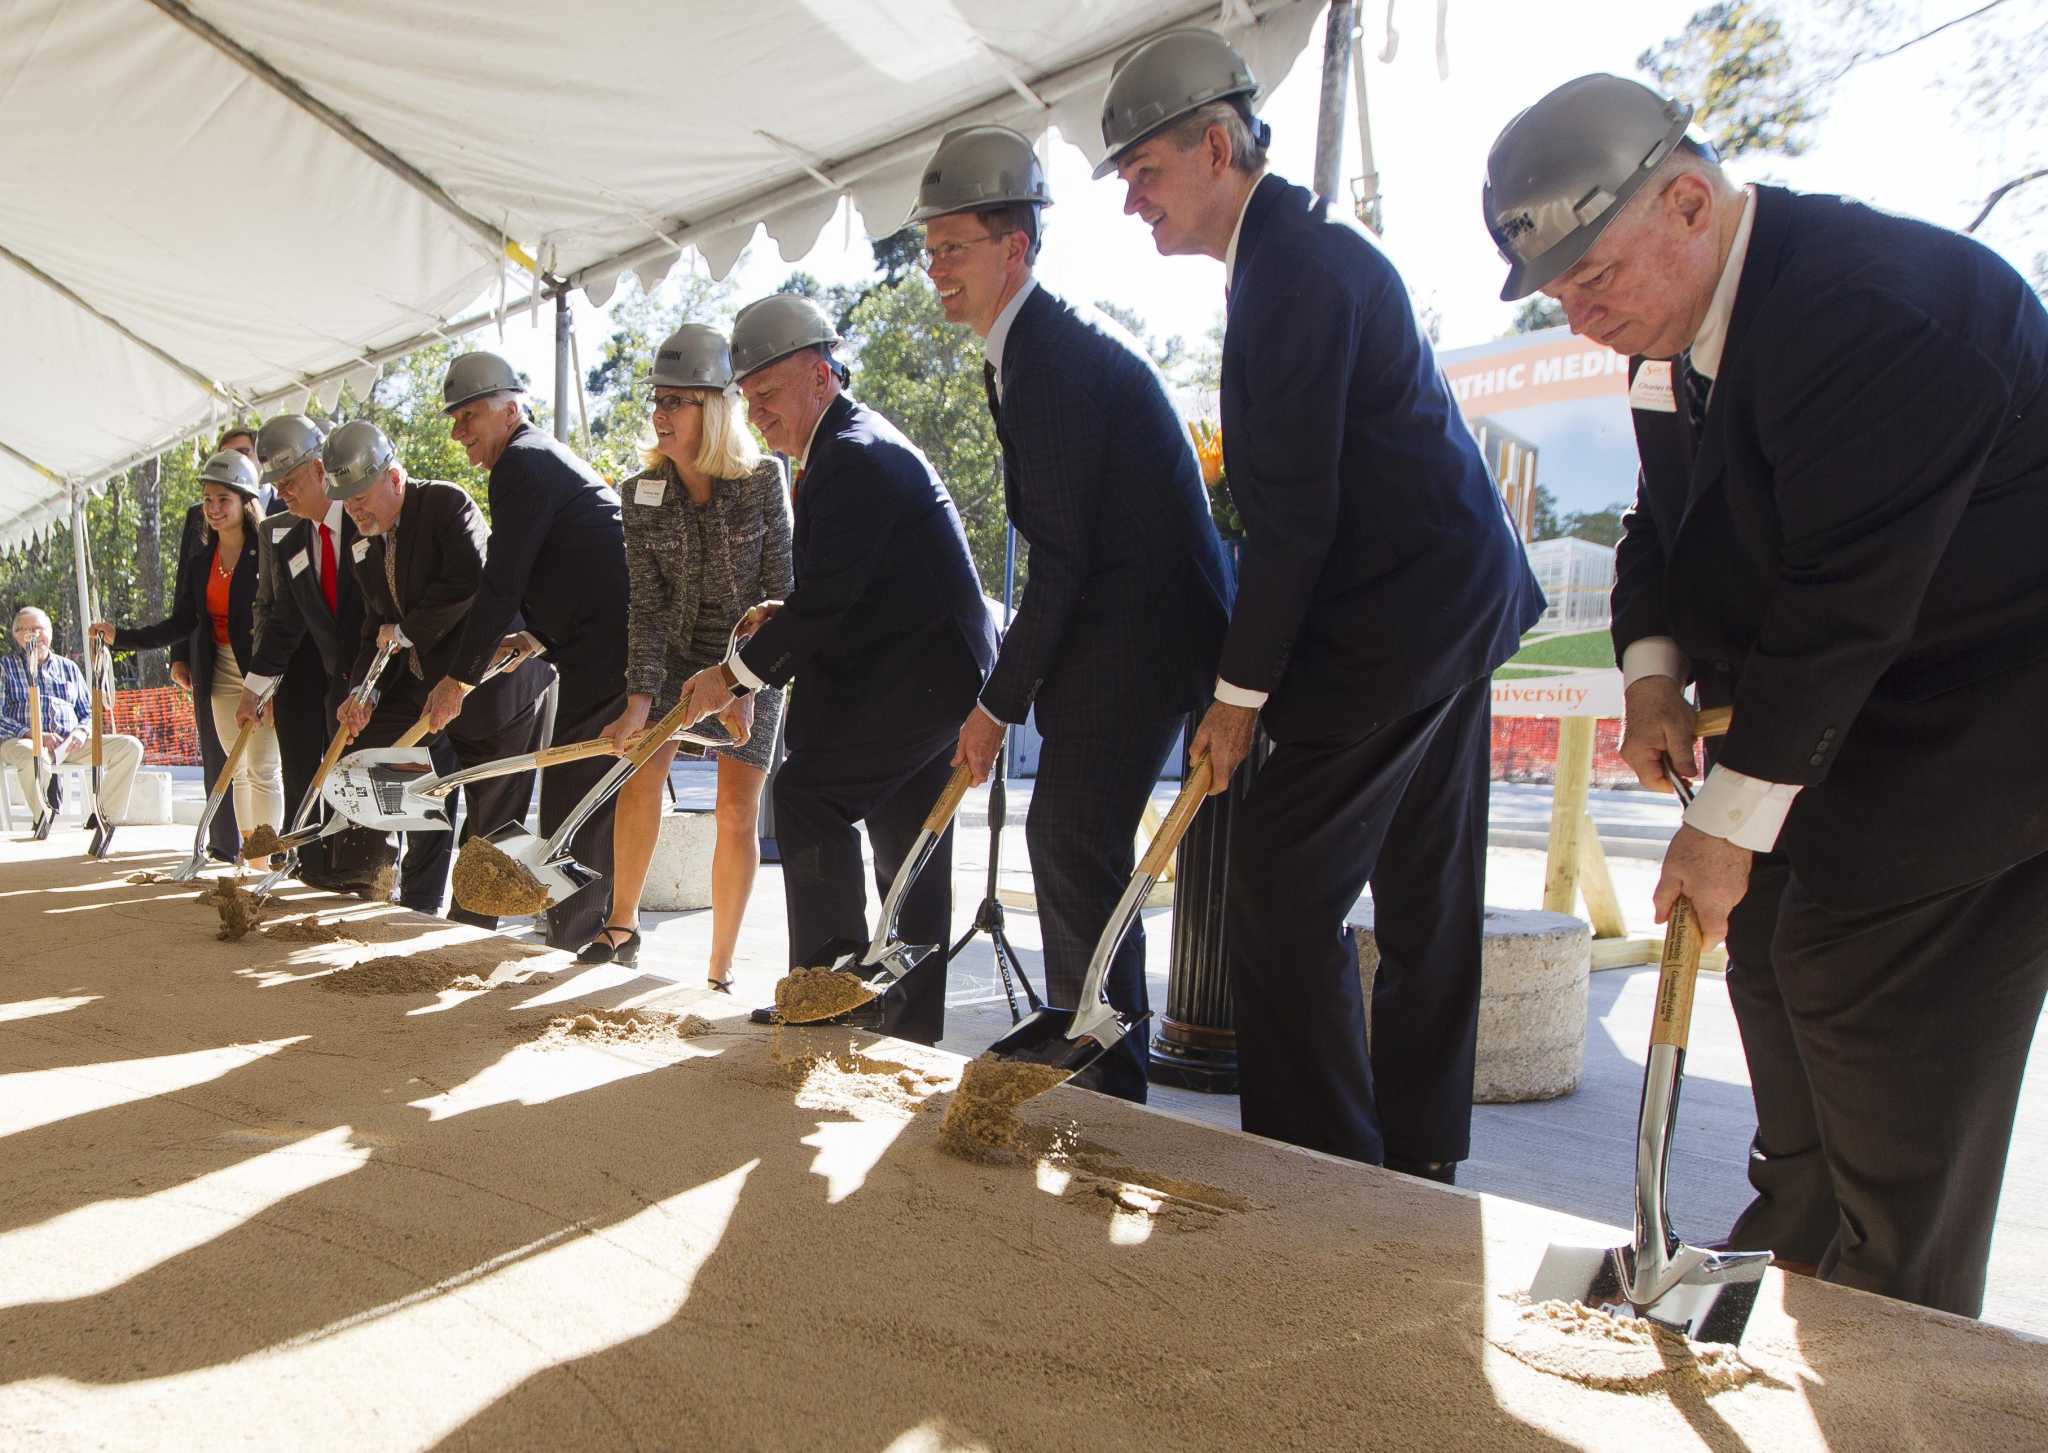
(67, 718)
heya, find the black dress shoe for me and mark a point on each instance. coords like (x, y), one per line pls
(765, 1015)
(1444, 1172)
(601, 950)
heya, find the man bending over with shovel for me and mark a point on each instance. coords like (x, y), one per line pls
(887, 630)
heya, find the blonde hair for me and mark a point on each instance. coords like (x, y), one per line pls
(725, 445)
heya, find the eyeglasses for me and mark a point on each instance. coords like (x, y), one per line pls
(669, 403)
(949, 252)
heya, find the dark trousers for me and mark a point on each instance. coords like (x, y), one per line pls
(1894, 1041)
(223, 835)
(1404, 809)
(1086, 805)
(304, 725)
(575, 921)
(820, 793)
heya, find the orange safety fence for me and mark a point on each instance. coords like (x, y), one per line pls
(1525, 750)
(161, 717)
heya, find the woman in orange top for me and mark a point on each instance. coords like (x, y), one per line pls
(215, 614)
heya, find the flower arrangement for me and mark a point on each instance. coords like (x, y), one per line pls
(1208, 440)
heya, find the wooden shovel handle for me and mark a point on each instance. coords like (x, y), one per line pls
(1713, 722)
(640, 747)
(1677, 972)
(334, 750)
(418, 732)
(1193, 793)
(238, 751)
(949, 800)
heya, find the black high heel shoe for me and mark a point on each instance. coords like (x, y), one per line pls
(722, 986)
(601, 950)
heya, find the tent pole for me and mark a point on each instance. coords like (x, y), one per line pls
(78, 570)
(562, 367)
(1336, 83)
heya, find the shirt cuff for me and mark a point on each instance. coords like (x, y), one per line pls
(1652, 656)
(741, 674)
(983, 709)
(1231, 695)
(256, 684)
(1745, 810)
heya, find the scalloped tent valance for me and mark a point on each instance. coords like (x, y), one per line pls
(213, 206)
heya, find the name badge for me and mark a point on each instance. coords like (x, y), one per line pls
(1652, 389)
(361, 550)
(299, 563)
(650, 491)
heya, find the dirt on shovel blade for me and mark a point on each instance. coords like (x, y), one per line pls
(805, 996)
(262, 842)
(488, 881)
(982, 1116)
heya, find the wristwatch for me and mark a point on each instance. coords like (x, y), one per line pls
(732, 681)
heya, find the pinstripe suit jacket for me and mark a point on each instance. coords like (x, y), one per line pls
(1127, 598)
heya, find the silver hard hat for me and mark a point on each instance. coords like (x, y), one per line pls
(1563, 169)
(1162, 80)
(694, 356)
(775, 327)
(356, 455)
(976, 167)
(231, 470)
(474, 375)
(286, 442)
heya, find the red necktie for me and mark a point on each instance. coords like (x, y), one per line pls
(327, 568)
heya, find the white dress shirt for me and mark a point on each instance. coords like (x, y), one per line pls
(1745, 810)
(1227, 692)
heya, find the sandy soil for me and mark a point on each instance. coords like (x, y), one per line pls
(240, 1212)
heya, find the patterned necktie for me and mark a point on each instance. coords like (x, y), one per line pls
(995, 402)
(327, 586)
(1697, 386)
(412, 656)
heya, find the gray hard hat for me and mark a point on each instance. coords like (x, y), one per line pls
(694, 356)
(285, 443)
(1163, 79)
(1563, 169)
(775, 327)
(356, 455)
(231, 470)
(474, 375)
(976, 167)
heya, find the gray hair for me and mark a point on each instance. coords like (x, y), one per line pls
(1247, 153)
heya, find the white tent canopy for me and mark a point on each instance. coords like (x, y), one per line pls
(209, 207)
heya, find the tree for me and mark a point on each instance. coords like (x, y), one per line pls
(1602, 527)
(924, 375)
(1166, 356)
(616, 385)
(1543, 515)
(1536, 313)
(1733, 62)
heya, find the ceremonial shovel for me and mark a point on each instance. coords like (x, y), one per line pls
(1073, 1039)
(1701, 1294)
(102, 672)
(48, 793)
(300, 833)
(887, 960)
(189, 869)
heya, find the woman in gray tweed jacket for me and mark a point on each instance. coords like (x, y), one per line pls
(707, 538)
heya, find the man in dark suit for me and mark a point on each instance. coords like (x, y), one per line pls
(309, 616)
(557, 559)
(886, 630)
(1843, 423)
(223, 836)
(1116, 639)
(1380, 585)
(418, 560)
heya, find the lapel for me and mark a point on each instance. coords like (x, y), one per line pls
(817, 468)
(1768, 233)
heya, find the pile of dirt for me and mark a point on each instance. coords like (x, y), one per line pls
(148, 878)
(1598, 1349)
(310, 929)
(239, 909)
(262, 842)
(847, 1081)
(487, 881)
(615, 1026)
(384, 884)
(981, 1122)
(414, 973)
(806, 996)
